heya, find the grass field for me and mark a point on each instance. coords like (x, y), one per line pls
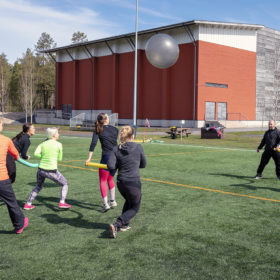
(202, 217)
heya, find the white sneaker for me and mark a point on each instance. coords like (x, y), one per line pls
(113, 203)
(125, 228)
(105, 208)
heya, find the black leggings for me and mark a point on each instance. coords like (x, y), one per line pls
(8, 196)
(131, 192)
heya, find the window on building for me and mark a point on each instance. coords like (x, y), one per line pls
(216, 85)
(222, 111)
(210, 111)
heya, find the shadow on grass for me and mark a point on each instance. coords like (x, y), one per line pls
(52, 203)
(247, 185)
(78, 222)
(46, 185)
(7, 231)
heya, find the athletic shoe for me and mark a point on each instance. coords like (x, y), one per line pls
(258, 176)
(28, 207)
(105, 207)
(113, 203)
(64, 205)
(19, 231)
(113, 231)
(124, 228)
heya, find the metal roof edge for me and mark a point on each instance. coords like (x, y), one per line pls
(157, 29)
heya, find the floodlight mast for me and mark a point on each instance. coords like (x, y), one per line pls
(135, 70)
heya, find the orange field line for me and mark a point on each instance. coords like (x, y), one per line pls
(187, 186)
(210, 190)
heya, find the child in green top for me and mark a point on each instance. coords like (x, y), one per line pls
(49, 152)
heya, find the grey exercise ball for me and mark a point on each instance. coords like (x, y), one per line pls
(162, 51)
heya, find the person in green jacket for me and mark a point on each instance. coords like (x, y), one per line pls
(49, 152)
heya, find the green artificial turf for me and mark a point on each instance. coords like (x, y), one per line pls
(190, 224)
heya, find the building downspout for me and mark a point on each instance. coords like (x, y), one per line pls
(194, 69)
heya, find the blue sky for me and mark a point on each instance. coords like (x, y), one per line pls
(23, 21)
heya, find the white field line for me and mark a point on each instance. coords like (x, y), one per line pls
(205, 147)
(165, 144)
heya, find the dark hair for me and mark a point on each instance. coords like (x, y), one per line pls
(25, 129)
(101, 118)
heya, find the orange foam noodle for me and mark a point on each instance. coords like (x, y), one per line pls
(98, 165)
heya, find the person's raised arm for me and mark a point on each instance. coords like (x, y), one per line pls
(38, 152)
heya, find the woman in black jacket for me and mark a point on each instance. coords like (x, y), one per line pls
(108, 136)
(22, 143)
(128, 157)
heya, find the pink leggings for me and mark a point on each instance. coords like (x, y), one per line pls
(104, 177)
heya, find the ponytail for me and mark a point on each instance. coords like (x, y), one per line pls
(25, 129)
(99, 124)
(125, 135)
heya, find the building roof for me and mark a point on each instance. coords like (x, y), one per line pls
(159, 29)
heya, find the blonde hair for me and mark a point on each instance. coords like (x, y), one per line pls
(51, 131)
(125, 134)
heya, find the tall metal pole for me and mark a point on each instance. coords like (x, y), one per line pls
(135, 70)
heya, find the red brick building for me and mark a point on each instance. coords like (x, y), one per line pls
(213, 78)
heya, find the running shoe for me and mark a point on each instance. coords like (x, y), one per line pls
(19, 231)
(113, 203)
(105, 207)
(124, 228)
(28, 207)
(64, 205)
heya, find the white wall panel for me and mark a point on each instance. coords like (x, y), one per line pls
(244, 39)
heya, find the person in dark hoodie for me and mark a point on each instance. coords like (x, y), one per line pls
(22, 143)
(128, 157)
(271, 140)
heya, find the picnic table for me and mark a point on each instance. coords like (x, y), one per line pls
(176, 131)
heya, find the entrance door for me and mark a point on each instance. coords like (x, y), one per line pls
(222, 111)
(210, 111)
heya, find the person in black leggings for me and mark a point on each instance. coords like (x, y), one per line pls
(128, 157)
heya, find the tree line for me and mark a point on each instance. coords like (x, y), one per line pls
(29, 84)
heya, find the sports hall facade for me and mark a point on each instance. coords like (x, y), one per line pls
(225, 71)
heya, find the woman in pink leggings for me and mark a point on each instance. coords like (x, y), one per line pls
(108, 136)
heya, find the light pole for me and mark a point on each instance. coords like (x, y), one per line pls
(135, 71)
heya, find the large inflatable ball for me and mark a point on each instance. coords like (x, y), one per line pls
(162, 51)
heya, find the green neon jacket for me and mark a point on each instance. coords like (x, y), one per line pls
(49, 152)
